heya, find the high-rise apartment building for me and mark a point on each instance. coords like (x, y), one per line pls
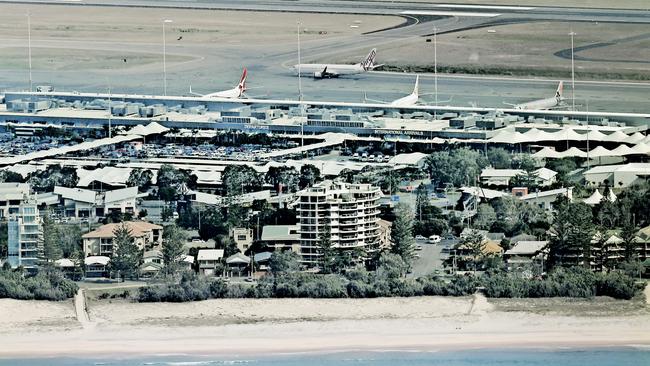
(350, 210)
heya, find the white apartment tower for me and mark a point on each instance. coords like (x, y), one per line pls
(24, 236)
(350, 210)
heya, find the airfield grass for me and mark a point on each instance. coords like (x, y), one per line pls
(529, 49)
(91, 38)
(605, 4)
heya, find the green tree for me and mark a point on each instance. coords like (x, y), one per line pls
(485, 217)
(421, 201)
(499, 158)
(572, 231)
(474, 243)
(127, 257)
(69, 237)
(3, 240)
(7, 176)
(327, 252)
(212, 223)
(283, 177)
(392, 266)
(402, 233)
(172, 248)
(238, 179)
(309, 175)
(457, 167)
(529, 165)
(283, 262)
(140, 178)
(172, 182)
(51, 244)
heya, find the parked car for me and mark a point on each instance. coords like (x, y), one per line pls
(434, 239)
(420, 237)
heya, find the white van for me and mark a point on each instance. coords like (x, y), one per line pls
(433, 239)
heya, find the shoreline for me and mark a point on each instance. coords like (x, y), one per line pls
(280, 327)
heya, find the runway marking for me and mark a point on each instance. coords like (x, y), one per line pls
(449, 13)
(492, 7)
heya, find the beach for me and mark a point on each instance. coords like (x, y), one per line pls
(240, 327)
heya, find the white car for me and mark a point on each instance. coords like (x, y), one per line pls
(433, 239)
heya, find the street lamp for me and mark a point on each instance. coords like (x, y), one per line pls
(29, 48)
(302, 124)
(165, 57)
(435, 69)
(573, 75)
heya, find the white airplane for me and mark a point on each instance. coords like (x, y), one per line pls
(234, 93)
(541, 104)
(407, 101)
(326, 71)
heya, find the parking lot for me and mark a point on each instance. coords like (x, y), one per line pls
(430, 257)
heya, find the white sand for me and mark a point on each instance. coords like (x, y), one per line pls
(244, 326)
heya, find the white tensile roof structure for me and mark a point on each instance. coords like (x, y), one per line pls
(594, 199)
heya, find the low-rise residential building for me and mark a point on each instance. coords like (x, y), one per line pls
(504, 177)
(208, 259)
(99, 242)
(618, 176)
(281, 237)
(527, 255)
(86, 203)
(545, 199)
(243, 237)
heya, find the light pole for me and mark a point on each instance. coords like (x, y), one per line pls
(435, 69)
(302, 123)
(573, 75)
(165, 57)
(29, 49)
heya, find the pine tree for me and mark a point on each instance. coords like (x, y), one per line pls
(51, 243)
(402, 233)
(172, 248)
(328, 254)
(127, 257)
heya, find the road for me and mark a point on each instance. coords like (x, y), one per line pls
(269, 67)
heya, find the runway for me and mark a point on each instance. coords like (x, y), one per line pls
(218, 68)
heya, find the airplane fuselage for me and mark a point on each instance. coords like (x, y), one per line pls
(407, 101)
(230, 93)
(540, 104)
(313, 69)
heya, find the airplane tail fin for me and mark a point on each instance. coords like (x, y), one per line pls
(242, 82)
(368, 63)
(560, 88)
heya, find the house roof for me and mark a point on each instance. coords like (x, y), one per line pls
(64, 263)
(122, 194)
(262, 257)
(280, 233)
(210, 254)
(76, 194)
(526, 247)
(137, 228)
(97, 259)
(551, 192)
(238, 258)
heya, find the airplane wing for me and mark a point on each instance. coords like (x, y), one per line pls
(325, 74)
(366, 100)
(196, 94)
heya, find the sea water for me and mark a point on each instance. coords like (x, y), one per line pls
(632, 356)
